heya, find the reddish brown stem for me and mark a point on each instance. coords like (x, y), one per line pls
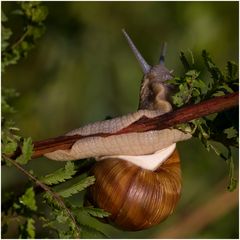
(182, 115)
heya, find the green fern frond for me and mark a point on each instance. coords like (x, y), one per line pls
(51, 201)
(27, 230)
(95, 212)
(81, 185)
(60, 175)
(27, 150)
(28, 199)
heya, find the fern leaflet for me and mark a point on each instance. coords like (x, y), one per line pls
(60, 175)
(81, 185)
(95, 212)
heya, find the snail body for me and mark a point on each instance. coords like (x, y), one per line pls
(138, 175)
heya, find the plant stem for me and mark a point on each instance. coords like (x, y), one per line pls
(20, 39)
(47, 189)
(181, 115)
(144, 124)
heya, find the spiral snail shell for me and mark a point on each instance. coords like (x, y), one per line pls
(138, 176)
(137, 198)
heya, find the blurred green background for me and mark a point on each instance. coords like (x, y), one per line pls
(82, 70)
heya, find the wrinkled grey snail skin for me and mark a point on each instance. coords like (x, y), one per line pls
(153, 102)
(138, 176)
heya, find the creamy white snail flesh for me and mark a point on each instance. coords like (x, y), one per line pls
(150, 161)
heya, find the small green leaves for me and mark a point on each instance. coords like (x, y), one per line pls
(232, 71)
(9, 147)
(184, 61)
(5, 34)
(220, 127)
(231, 132)
(28, 199)
(27, 150)
(60, 175)
(33, 14)
(61, 217)
(81, 185)
(212, 68)
(27, 230)
(90, 232)
(95, 212)
(232, 179)
(187, 66)
(8, 94)
(31, 228)
(34, 11)
(190, 88)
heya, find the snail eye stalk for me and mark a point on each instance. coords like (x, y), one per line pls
(163, 53)
(144, 65)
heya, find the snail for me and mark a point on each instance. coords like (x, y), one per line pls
(138, 175)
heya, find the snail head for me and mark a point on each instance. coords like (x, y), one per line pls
(154, 93)
(158, 71)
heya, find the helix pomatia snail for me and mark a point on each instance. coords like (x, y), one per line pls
(138, 176)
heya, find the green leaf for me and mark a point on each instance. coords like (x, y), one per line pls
(52, 201)
(3, 17)
(5, 34)
(192, 73)
(232, 179)
(16, 206)
(81, 185)
(62, 217)
(60, 175)
(27, 151)
(184, 61)
(31, 228)
(232, 71)
(9, 148)
(232, 184)
(95, 212)
(28, 199)
(27, 230)
(35, 32)
(35, 11)
(231, 132)
(225, 88)
(218, 94)
(202, 86)
(90, 232)
(212, 68)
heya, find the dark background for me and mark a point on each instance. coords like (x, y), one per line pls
(82, 70)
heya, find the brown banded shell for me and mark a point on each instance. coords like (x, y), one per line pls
(135, 197)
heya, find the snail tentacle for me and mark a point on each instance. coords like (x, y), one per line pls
(163, 53)
(144, 65)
